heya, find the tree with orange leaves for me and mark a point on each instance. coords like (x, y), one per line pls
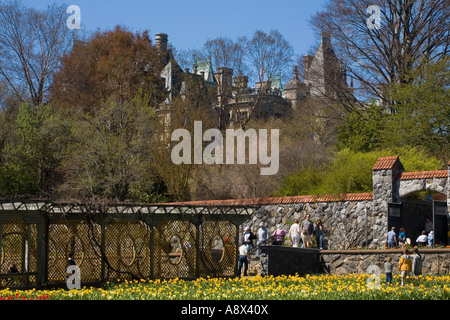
(112, 64)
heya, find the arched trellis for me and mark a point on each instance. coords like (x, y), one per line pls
(118, 241)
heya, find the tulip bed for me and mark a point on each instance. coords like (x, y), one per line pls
(309, 287)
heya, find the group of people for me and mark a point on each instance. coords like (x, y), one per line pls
(304, 232)
(424, 239)
(408, 264)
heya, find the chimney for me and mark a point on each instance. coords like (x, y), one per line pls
(306, 64)
(326, 40)
(161, 41)
(241, 82)
(224, 78)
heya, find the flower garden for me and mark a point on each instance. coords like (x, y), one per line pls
(309, 287)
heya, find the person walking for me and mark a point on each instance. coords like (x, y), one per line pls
(306, 238)
(416, 263)
(430, 238)
(294, 233)
(308, 226)
(249, 236)
(388, 270)
(318, 234)
(428, 225)
(243, 261)
(278, 236)
(262, 235)
(402, 237)
(405, 266)
(391, 238)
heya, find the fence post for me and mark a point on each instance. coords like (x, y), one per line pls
(197, 248)
(236, 255)
(102, 250)
(42, 249)
(152, 251)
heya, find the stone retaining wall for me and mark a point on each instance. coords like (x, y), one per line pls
(279, 260)
(346, 223)
(356, 219)
(435, 261)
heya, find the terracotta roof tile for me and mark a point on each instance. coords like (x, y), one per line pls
(278, 200)
(423, 175)
(385, 163)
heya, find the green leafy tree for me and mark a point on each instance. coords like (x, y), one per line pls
(31, 152)
(362, 131)
(419, 118)
(109, 158)
(421, 115)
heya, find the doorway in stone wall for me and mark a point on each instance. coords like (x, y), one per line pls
(412, 212)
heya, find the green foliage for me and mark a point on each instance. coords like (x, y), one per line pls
(109, 157)
(29, 154)
(363, 131)
(350, 172)
(50, 152)
(419, 116)
(307, 180)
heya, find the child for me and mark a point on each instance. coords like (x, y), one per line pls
(431, 239)
(405, 265)
(306, 239)
(402, 237)
(416, 263)
(388, 270)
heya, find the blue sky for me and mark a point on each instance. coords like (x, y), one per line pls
(190, 23)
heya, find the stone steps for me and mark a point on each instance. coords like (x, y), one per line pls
(254, 267)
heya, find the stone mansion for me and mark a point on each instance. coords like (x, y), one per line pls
(323, 74)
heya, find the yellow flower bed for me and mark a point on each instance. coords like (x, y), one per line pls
(310, 287)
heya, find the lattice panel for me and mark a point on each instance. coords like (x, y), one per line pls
(77, 237)
(174, 247)
(218, 248)
(118, 245)
(127, 250)
(17, 250)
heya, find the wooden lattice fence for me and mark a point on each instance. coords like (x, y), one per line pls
(116, 242)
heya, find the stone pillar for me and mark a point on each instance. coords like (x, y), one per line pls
(385, 190)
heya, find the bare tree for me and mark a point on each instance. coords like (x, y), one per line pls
(32, 43)
(228, 53)
(270, 55)
(380, 46)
